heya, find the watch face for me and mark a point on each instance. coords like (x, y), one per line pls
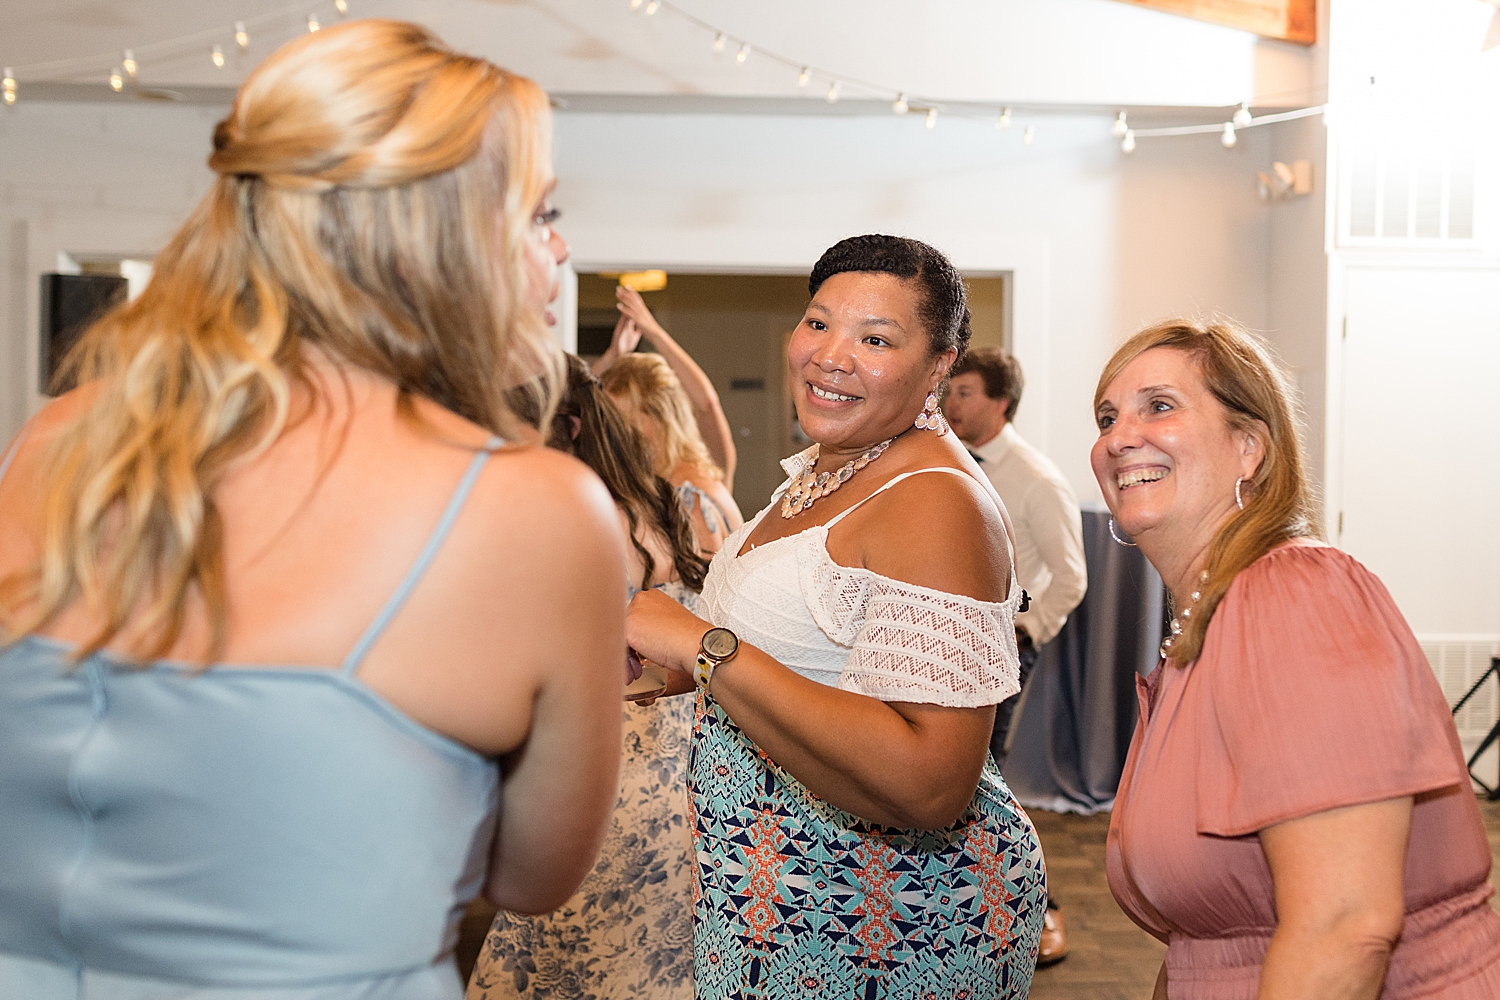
(720, 643)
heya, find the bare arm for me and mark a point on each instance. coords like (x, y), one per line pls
(707, 410)
(893, 763)
(561, 783)
(621, 343)
(1339, 901)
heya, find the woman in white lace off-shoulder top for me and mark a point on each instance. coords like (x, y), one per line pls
(852, 835)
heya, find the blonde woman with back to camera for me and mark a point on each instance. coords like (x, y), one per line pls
(671, 401)
(1295, 819)
(281, 604)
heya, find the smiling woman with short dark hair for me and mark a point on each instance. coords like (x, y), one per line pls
(852, 833)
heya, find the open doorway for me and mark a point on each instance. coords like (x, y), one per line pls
(736, 327)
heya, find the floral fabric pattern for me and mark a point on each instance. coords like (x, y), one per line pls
(627, 932)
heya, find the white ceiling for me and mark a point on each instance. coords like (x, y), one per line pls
(1018, 52)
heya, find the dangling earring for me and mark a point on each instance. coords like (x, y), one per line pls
(931, 418)
(1116, 536)
(1237, 501)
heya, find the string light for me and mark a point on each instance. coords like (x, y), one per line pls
(129, 63)
(312, 23)
(720, 40)
(1228, 138)
(342, 6)
(1003, 122)
(218, 56)
(1127, 144)
(833, 92)
(116, 81)
(931, 121)
(1242, 116)
(804, 76)
(1027, 136)
(900, 106)
(241, 36)
(636, 4)
(8, 86)
(742, 54)
(652, 7)
(1119, 128)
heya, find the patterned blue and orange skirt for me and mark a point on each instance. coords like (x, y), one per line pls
(795, 898)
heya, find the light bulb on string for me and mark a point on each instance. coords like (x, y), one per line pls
(1119, 128)
(312, 23)
(742, 54)
(218, 56)
(636, 4)
(652, 7)
(1127, 144)
(116, 81)
(720, 40)
(1003, 122)
(1242, 117)
(129, 63)
(241, 36)
(931, 121)
(804, 76)
(8, 85)
(833, 93)
(1228, 138)
(900, 106)
(1028, 135)
(342, 6)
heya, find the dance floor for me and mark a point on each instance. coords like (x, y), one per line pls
(1110, 959)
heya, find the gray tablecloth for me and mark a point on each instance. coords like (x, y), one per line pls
(1075, 721)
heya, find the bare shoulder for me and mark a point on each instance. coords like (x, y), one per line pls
(536, 495)
(942, 531)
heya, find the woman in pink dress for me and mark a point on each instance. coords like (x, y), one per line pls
(1295, 818)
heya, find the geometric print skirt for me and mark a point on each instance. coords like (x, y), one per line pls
(795, 898)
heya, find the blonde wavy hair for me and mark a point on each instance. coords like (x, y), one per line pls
(646, 385)
(1280, 503)
(361, 174)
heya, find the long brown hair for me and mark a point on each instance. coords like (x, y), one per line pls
(1280, 504)
(616, 451)
(362, 171)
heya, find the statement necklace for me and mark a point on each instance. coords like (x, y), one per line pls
(1182, 616)
(810, 485)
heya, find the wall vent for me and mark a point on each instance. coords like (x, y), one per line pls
(1459, 661)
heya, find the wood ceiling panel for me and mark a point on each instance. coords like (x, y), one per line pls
(1284, 20)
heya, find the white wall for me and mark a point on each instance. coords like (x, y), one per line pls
(1100, 243)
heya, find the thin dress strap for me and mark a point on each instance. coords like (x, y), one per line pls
(424, 558)
(893, 481)
(1004, 516)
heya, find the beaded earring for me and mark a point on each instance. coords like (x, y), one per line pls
(931, 418)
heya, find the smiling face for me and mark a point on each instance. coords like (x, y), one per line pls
(1167, 457)
(860, 363)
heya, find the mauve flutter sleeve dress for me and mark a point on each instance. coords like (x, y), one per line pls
(1311, 693)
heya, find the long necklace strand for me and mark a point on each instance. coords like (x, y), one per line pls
(810, 485)
(1182, 616)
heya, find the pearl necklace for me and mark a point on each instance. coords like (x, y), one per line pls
(810, 485)
(1183, 616)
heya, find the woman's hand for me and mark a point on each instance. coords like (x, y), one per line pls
(633, 308)
(624, 340)
(659, 629)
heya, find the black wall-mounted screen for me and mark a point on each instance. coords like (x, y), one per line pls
(70, 302)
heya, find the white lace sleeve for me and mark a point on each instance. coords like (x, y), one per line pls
(909, 643)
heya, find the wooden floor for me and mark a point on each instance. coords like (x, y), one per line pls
(1110, 958)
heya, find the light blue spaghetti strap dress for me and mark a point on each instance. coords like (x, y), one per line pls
(273, 833)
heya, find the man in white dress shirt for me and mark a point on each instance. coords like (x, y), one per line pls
(984, 390)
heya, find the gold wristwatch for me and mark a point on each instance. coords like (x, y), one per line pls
(717, 646)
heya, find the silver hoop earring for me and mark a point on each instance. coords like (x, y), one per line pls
(1116, 536)
(1237, 501)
